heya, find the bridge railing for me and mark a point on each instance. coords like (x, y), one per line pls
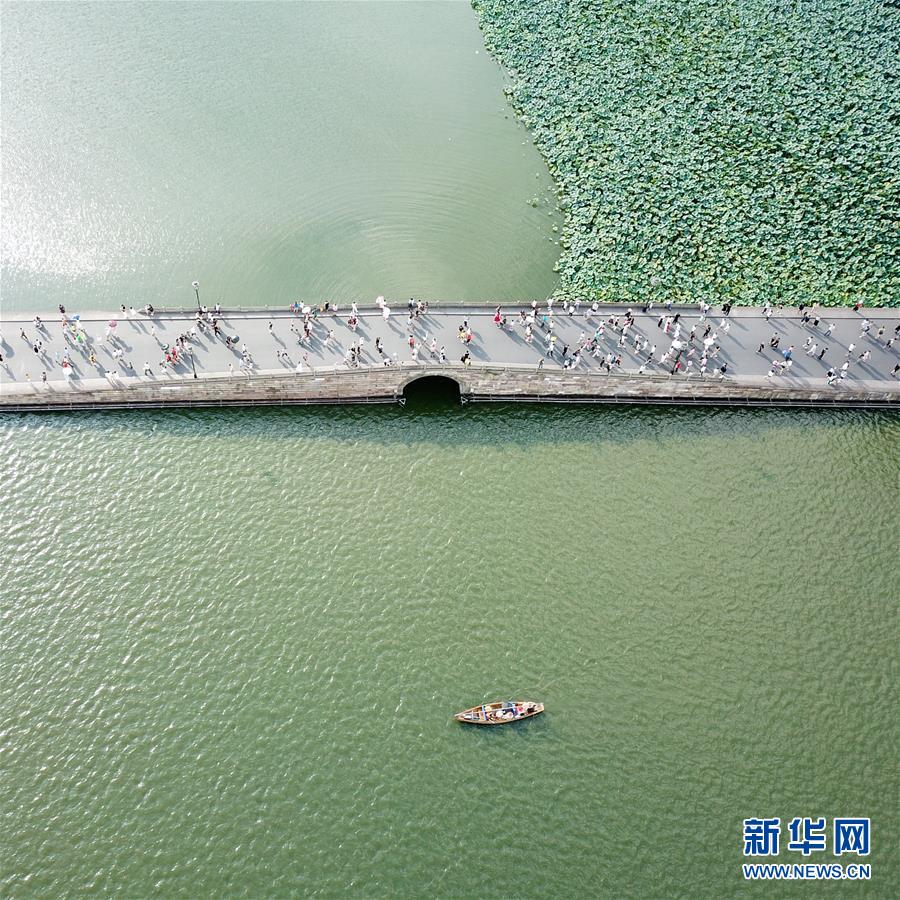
(453, 369)
(398, 309)
(407, 366)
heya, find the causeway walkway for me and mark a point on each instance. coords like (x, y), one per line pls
(117, 359)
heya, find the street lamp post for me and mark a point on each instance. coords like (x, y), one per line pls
(196, 286)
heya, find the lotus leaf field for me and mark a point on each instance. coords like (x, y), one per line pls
(740, 150)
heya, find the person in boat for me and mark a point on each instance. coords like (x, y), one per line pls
(531, 709)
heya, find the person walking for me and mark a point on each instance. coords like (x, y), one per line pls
(822, 353)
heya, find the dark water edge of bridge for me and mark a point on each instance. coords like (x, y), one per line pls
(497, 384)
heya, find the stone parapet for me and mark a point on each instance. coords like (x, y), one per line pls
(476, 383)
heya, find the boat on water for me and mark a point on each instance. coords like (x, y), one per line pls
(500, 713)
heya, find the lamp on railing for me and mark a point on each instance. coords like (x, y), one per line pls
(196, 287)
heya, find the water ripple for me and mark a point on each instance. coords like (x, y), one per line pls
(232, 642)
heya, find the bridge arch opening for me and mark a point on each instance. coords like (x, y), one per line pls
(431, 390)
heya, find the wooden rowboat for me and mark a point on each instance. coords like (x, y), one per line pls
(502, 712)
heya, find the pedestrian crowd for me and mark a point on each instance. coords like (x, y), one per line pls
(684, 343)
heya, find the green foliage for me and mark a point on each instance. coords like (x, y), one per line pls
(742, 150)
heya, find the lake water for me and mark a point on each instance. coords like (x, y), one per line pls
(231, 642)
(272, 151)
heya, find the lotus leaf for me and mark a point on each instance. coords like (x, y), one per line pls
(713, 149)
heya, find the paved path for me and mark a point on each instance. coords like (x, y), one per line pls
(142, 340)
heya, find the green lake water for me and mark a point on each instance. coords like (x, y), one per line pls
(271, 151)
(231, 642)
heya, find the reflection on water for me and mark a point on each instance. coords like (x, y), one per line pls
(324, 151)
